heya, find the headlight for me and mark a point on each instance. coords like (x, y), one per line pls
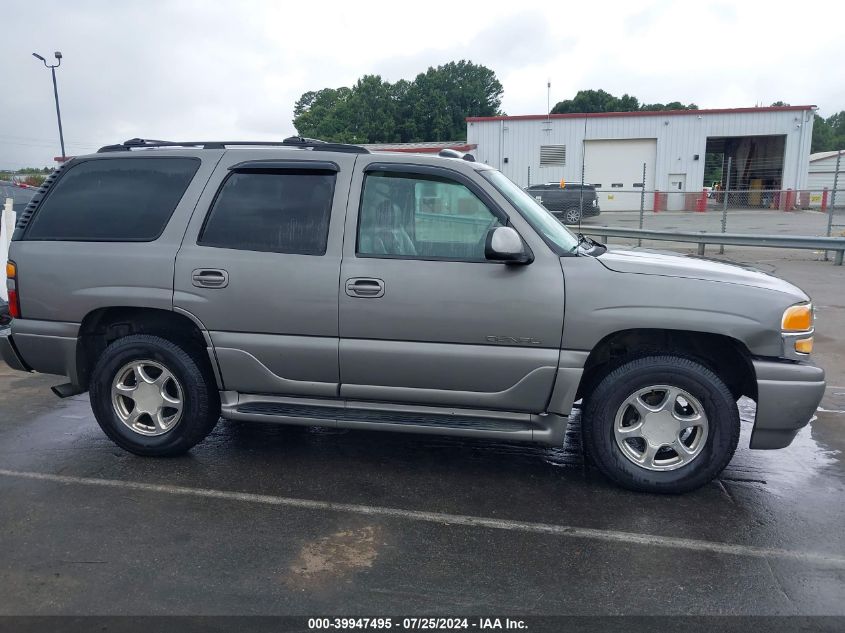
(798, 318)
(797, 326)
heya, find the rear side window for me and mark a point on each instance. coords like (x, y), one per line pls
(277, 212)
(113, 200)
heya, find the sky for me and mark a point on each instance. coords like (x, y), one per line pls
(203, 70)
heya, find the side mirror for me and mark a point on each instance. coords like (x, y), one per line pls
(503, 244)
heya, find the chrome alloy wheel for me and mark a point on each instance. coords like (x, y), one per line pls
(147, 397)
(661, 427)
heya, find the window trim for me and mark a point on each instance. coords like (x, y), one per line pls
(413, 169)
(76, 162)
(269, 166)
(292, 166)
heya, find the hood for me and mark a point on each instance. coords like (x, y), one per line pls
(645, 262)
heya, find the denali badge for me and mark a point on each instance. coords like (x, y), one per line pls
(513, 340)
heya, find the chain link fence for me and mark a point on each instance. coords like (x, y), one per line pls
(745, 195)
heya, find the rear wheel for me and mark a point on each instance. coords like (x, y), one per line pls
(571, 215)
(152, 397)
(662, 424)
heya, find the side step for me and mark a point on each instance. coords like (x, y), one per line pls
(545, 428)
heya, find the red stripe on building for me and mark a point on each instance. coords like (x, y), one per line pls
(598, 115)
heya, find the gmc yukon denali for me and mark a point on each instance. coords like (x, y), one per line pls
(313, 283)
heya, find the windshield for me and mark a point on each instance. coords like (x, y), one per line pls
(535, 214)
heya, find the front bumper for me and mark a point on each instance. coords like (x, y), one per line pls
(8, 351)
(788, 394)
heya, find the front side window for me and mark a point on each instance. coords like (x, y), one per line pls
(114, 199)
(421, 216)
(277, 212)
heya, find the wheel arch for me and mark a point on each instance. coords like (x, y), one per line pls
(105, 325)
(727, 357)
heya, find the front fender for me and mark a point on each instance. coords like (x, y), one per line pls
(600, 302)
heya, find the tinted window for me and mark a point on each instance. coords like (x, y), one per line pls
(116, 199)
(422, 216)
(277, 212)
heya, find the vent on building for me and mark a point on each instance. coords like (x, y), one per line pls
(552, 155)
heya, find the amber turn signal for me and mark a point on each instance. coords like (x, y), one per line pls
(11, 270)
(804, 345)
(798, 318)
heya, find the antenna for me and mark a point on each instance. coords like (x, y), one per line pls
(583, 169)
(549, 99)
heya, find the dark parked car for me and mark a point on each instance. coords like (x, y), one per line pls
(568, 204)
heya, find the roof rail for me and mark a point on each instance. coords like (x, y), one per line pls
(293, 141)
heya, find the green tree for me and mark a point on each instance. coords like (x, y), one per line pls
(603, 101)
(829, 133)
(432, 107)
(320, 114)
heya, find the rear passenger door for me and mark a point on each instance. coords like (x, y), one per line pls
(259, 269)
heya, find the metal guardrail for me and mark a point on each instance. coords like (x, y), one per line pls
(835, 244)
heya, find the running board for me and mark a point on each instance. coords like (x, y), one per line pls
(544, 428)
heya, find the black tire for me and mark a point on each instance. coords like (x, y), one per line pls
(612, 391)
(571, 215)
(201, 400)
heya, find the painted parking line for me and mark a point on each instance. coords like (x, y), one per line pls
(446, 519)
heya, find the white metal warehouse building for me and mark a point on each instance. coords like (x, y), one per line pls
(821, 175)
(769, 148)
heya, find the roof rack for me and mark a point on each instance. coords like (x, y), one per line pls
(293, 141)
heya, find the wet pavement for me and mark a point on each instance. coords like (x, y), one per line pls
(264, 519)
(20, 196)
(80, 546)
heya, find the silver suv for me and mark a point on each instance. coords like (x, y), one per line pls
(315, 283)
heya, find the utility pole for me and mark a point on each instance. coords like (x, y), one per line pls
(52, 68)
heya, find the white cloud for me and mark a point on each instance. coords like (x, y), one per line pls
(191, 69)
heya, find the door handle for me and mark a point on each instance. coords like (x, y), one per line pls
(210, 278)
(365, 287)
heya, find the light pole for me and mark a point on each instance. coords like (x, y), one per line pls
(52, 68)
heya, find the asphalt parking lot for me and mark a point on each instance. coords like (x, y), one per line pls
(262, 519)
(19, 195)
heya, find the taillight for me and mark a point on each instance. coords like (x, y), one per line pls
(12, 287)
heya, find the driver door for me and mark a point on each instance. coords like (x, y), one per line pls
(424, 317)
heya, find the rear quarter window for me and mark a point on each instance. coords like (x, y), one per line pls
(113, 200)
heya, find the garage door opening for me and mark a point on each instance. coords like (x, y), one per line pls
(756, 173)
(615, 168)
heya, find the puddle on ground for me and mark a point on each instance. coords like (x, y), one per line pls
(816, 450)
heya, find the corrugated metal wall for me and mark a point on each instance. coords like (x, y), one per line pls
(821, 175)
(513, 145)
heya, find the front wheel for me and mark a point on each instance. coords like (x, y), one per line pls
(663, 424)
(152, 397)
